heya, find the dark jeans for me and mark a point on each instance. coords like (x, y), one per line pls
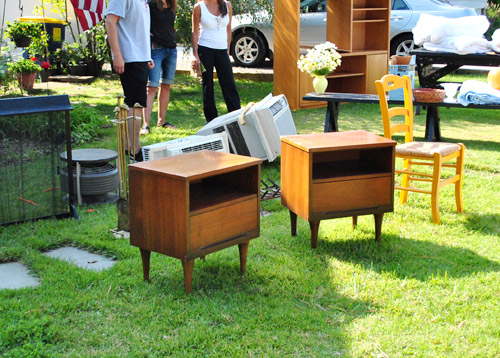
(219, 59)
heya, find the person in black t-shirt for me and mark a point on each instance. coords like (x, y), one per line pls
(164, 55)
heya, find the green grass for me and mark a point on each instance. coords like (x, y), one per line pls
(423, 291)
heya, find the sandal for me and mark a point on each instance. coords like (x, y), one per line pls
(144, 130)
(168, 125)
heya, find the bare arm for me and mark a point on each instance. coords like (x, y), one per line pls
(118, 63)
(195, 33)
(229, 34)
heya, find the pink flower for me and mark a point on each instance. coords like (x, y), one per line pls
(45, 65)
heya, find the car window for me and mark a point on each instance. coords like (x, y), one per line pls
(313, 6)
(399, 5)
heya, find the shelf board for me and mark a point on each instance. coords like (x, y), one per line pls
(367, 21)
(369, 8)
(344, 74)
(214, 198)
(362, 53)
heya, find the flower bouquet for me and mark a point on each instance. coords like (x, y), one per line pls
(318, 62)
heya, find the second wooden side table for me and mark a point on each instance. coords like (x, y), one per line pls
(337, 174)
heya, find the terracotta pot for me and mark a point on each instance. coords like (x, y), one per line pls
(23, 41)
(26, 80)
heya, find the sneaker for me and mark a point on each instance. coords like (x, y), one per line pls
(138, 156)
(144, 130)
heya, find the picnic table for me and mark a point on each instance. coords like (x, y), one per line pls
(432, 122)
(428, 74)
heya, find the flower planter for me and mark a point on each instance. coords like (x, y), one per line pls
(78, 70)
(94, 68)
(23, 41)
(26, 80)
(44, 75)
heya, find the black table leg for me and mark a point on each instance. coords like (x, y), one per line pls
(332, 114)
(432, 128)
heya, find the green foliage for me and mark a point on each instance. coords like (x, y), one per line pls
(493, 14)
(97, 47)
(38, 45)
(18, 29)
(25, 66)
(86, 124)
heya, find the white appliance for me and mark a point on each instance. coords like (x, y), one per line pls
(216, 142)
(255, 131)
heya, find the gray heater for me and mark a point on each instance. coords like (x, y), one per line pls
(33, 133)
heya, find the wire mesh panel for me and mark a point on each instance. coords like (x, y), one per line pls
(33, 133)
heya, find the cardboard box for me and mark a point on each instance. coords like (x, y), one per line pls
(401, 66)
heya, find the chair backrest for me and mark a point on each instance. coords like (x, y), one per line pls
(389, 83)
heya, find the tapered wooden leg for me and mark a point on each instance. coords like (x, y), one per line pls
(354, 222)
(458, 184)
(314, 225)
(378, 225)
(293, 222)
(436, 179)
(243, 248)
(187, 266)
(146, 256)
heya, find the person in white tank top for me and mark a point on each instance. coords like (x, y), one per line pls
(211, 40)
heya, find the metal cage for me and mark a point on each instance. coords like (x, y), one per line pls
(33, 133)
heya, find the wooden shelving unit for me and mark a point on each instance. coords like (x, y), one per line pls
(190, 205)
(359, 28)
(337, 174)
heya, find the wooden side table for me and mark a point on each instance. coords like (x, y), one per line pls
(190, 205)
(337, 174)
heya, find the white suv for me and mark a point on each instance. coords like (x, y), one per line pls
(252, 42)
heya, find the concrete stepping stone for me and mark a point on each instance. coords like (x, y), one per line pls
(14, 275)
(81, 258)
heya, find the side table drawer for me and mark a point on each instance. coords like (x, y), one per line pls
(223, 223)
(351, 194)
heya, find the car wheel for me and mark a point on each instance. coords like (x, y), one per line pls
(248, 49)
(402, 45)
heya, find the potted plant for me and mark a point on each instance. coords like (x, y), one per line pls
(44, 74)
(97, 50)
(75, 56)
(21, 32)
(25, 70)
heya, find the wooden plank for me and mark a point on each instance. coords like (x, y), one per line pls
(286, 50)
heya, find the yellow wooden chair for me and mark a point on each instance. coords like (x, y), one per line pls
(435, 154)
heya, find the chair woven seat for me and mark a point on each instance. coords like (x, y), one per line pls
(426, 149)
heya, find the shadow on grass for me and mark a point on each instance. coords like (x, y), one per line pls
(488, 223)
(296, 306)
(406, 258)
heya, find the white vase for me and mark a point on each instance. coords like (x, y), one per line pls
(320, 83)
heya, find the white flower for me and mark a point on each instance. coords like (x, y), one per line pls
(320, 60)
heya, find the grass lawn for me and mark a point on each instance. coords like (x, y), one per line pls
(423, 291)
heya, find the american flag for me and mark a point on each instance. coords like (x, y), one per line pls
(89, 12)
